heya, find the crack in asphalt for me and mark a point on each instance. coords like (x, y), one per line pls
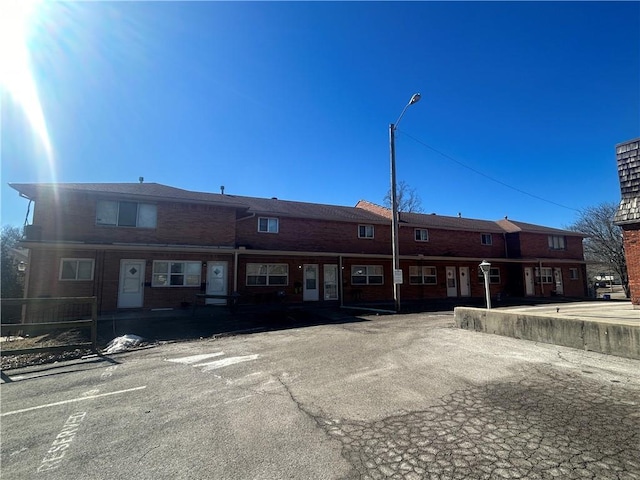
(547, 425)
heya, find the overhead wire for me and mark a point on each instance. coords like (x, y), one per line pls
(489, 177)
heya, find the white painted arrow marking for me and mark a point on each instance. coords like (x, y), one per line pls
(195, 358)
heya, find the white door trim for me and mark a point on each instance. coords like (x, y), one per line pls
(330, 275)
(465, 282)
(452, 282)
(217, 282)
(557, 276)
(529, 283)
(131, 284)
(310, 285)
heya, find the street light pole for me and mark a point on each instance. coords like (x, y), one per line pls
(397, 277)
(486, 268)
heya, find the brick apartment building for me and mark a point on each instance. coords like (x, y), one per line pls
(628, 214)
(146, 245)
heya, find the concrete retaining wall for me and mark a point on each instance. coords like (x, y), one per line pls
(603, 337)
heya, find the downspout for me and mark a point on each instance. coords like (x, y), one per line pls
(235, 271)
(541, 281)
(341, 282)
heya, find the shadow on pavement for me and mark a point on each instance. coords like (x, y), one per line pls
(208, 321)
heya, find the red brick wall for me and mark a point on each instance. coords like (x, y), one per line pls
(313, 235)
(46, 262)
(631, 236)
(177, 223)
(537, 245)
(451, 243)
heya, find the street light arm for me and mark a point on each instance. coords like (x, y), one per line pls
(414, 99)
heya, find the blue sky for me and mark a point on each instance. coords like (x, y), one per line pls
(522, 103)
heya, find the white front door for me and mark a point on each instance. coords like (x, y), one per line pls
(529, 282)
(216, 282)
(310, 288)
(131, 286)
(331, 282)
(465, 283)
(557, 275)
(452, 284)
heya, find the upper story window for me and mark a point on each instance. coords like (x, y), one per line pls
(556, 242)
(76, 269)
(494, 275)
(486, 239)
(365, 231)
(422, 275)
(126, 214)
(421, 235)
(267, 225)
(176, 274)
(366, 275)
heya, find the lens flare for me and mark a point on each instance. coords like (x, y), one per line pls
(16, 19)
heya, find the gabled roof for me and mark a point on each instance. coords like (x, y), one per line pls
(512, 226)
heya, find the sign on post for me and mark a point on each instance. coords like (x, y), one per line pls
(397, 276)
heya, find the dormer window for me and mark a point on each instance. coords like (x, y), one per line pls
(267, 225)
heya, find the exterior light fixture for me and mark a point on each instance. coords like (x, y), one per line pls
(397, 272)
(486, 268)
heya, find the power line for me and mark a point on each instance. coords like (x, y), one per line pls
(448, 157)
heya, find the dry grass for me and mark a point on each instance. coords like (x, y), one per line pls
(68, 337)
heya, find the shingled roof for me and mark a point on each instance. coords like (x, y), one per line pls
(364, 211)
(628, 157)
(156, 191)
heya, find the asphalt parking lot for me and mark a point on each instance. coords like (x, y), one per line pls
(399, 396)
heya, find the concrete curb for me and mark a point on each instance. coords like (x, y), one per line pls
(603, 337)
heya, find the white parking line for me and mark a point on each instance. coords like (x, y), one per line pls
(73, 400)
(195, 358)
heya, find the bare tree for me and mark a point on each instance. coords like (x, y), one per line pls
(10, 283)
(604, 245)
(408, 199)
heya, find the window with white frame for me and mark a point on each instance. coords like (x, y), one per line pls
(366, 275)
(126, 214)
(573, 274)
(419, 275)
(76, 269)
(486, 239)
(421, 235)
(556, 242)
(547, 275)
(494, 275)
(172, 273)
(268, 225)
(365, 231)
(264, 274)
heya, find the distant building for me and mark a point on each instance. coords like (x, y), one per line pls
(628, 214)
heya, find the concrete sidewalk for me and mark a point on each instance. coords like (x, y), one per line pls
(617, 312)
(611, 327)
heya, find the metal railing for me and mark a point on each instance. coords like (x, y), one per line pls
(37, 316)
